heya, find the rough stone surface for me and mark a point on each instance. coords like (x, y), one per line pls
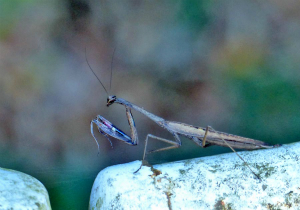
(215, 182)
(21, 191)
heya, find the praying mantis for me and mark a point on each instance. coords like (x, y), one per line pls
(203, 137)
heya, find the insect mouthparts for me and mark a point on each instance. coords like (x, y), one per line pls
(111, 100)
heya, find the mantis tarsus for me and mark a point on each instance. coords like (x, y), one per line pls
(203, 137)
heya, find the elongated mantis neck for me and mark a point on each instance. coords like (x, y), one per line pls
(139, 109)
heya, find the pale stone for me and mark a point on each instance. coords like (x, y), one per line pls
(21, 191)
(215, 182)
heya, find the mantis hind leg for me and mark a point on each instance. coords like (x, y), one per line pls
(203, 145)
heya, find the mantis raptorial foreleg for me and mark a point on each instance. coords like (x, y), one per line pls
(133, 131)
(106, 128)
(175, 144)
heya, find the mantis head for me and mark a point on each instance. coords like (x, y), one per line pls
(111, 100)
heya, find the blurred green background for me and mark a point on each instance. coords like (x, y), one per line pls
(233, 65)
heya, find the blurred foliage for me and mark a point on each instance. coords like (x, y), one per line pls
(233, 65)
(194, 14)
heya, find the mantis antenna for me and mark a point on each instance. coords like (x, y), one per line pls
(94, 73)
(111, 68)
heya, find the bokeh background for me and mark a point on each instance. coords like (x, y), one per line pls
(233, 65)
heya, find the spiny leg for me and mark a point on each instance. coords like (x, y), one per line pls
(204, 139)
(100, 131)
(133, 131)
